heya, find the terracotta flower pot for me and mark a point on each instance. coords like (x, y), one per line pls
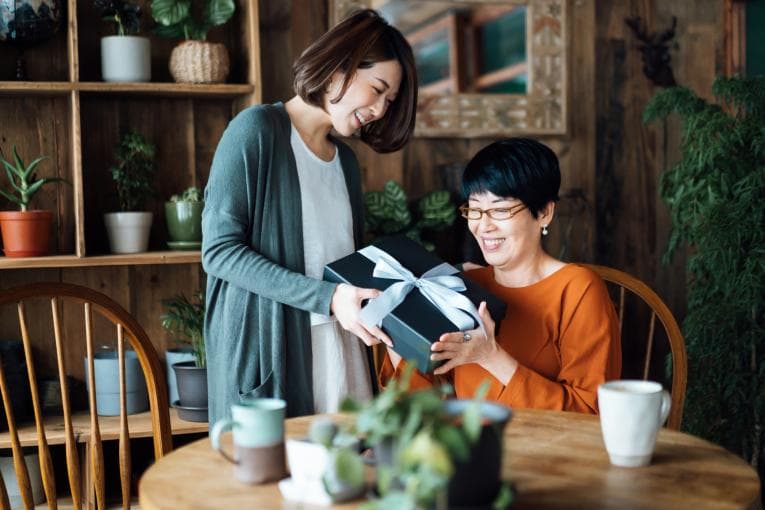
(25, 233)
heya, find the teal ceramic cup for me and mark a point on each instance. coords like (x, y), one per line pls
(258, 433)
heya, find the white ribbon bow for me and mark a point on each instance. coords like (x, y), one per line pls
(437, 285)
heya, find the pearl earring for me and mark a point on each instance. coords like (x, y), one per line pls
(544, 230)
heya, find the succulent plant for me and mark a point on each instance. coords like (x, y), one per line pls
(23, 179)
(192, 194)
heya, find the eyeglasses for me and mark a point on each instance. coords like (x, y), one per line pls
(498, 213)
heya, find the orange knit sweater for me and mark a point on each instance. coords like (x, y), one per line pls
(562, 330)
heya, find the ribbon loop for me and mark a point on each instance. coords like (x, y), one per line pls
(438, 285)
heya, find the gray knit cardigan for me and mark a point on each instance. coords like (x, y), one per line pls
(257, 326)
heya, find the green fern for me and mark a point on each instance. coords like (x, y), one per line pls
(716, 198)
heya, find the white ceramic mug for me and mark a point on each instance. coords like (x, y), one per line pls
(631, 413)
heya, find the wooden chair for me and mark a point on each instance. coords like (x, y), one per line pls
(624, 283)
(75, 300)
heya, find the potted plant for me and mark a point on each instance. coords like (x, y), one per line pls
(388, 213)
(195, 60)
(26, 233)
(715, 198)
(133, 174)
(124, 56)
(186, 318)
(183, 214)
(431, 451)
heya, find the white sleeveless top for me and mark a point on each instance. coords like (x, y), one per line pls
(339, 358)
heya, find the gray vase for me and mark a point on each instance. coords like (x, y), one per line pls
(192, 384)
(108, 383)
(175, 356)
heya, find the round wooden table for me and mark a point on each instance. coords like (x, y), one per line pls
(554, 459)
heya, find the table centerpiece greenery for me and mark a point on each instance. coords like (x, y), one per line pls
(418, 443)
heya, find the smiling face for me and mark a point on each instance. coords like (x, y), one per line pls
(369, 94)
(506, 244)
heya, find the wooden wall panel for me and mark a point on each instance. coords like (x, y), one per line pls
(210, 120)
(149, 285)
(632, 221)
(44, 62)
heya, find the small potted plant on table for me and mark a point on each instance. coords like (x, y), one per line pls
(431, 452)
(26, 233)
(186, 318)
(195, 60)
(133, 174)
(125, 56)
(183, 214)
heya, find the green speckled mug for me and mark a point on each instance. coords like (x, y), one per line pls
(258, 430)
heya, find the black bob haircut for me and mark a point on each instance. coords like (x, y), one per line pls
(519, 168)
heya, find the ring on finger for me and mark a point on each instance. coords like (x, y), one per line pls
(466, 337)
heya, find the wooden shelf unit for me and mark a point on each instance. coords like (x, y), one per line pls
(65, 112)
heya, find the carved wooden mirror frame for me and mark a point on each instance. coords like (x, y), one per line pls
(541, 111)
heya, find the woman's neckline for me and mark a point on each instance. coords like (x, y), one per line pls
(310, 151)
(541, 281)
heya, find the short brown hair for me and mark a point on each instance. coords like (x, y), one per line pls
(359, 41)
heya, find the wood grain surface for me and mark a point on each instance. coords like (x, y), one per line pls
(554, 459)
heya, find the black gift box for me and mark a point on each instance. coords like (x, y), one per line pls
(416, 323)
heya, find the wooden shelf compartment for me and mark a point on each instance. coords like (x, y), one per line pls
(139, 425)
(237, 35)
(218, 90)
(60, 88)
(39, 88)
(60, 261)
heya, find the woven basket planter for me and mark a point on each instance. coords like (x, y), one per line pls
(199, 62)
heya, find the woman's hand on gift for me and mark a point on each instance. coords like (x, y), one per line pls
(346, 306)
(463, 347)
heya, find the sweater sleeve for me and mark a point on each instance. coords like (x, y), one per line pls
(418, 381)
(590, 354)
(241, 157)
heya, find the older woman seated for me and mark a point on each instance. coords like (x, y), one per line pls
(560, 336)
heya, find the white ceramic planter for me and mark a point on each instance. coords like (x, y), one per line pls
(8, 473)
(128, 231)
(125, 58)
